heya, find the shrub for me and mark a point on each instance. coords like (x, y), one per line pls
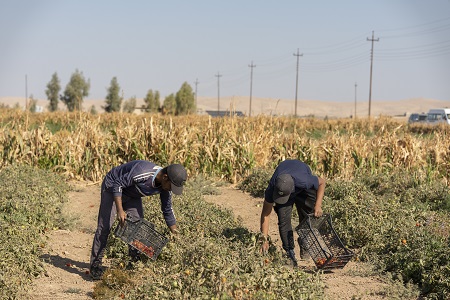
(256, 183)
(30, 203)
(397, 224)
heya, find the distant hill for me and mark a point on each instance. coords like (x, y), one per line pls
(272, 106)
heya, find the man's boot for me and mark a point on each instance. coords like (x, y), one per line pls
(291, 255)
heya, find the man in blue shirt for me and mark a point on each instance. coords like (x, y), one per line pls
(121, 195)
(291, 183)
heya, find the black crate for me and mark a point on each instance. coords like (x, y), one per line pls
(142, 236)
(323, 244)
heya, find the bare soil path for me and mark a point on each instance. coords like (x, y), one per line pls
(66, 255)
(67, 252)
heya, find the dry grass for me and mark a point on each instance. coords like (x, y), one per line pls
(87, 146)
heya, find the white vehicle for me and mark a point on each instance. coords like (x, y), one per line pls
(439, 115)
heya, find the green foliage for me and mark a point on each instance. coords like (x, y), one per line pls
(170, 105)
(256, 183)
(32, 104)
(397, 221)
(54, 127)
(185, 100)
(410, 187)
(93, 110)
(113, 99)
(75, 91)
(129, 105)
(52, 92)
(213, 257)
(30, 204)
(152, 101)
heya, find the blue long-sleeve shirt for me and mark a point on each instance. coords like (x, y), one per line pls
(136, 179)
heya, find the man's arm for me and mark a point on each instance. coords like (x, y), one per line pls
(167, 210)
(264, 226)
(319, 198)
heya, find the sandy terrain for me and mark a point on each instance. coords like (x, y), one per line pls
(271, 106)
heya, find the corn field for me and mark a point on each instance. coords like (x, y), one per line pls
(85, 146)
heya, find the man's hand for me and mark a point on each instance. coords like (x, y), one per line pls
(318, 212)
(121, 216)
(265, 247)
(174, 232)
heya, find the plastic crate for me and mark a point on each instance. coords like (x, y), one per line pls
(323, 244)
(142, 236)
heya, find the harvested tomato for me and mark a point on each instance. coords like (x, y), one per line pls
(147, 250)
(321, 261)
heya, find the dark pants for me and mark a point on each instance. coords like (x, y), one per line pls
(106, 216)
(303, 201)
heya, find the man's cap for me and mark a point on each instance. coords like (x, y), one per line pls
(284, 186)
(177, 175)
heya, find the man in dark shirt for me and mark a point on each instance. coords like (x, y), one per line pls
(121, 195)
(291, 183)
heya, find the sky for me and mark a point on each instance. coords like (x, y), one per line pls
(211, 45)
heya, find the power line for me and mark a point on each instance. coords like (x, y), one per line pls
(423, 29)
(296, 81)
(336, 64)
(251, 84)
(371, 68)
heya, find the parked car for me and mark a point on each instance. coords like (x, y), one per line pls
(416, 117)
(439, 115)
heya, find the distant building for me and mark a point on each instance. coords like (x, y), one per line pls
(225, 113)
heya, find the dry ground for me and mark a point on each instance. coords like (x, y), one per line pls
(67, 255)
(400, 109)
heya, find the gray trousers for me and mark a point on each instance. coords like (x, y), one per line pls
(305, 201)
(106, 217)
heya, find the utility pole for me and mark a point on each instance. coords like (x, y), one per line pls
(371, 67)
(218, 93)
(121, 106)
(296, 81)
(356, 85)
(251, 84)
(196, 83)
(26, 93)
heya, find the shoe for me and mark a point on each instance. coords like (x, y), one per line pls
(96, 272)
(291, 255)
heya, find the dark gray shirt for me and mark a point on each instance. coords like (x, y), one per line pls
(301, 174)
